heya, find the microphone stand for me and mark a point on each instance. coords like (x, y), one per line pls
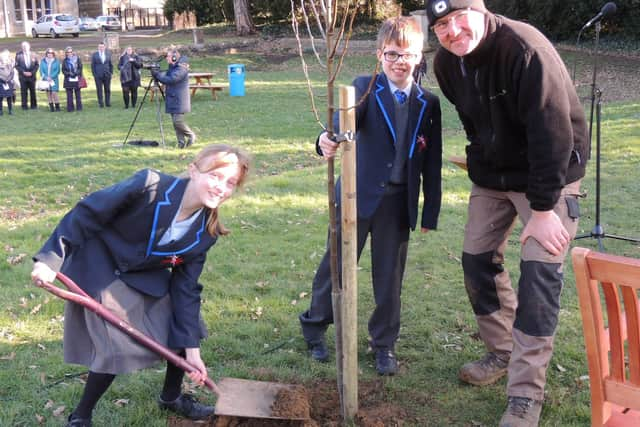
(596, 105)
(575, 59)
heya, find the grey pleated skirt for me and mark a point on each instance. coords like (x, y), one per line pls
(91, 341)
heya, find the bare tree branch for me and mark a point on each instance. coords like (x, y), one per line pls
(311, 38)
(347, 38)
(337, 40)
(324, 8)
(305, 69)
(317, 16)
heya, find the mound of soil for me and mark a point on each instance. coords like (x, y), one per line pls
(321, 401)
(291, 403)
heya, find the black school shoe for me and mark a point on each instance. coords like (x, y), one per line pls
(186, 406)
(386, 362)
(74, 421)
(318, 351)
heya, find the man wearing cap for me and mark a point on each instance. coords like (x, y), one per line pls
(527, 152)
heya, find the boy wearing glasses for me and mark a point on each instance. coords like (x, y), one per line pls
(527, 152)
(399, 151)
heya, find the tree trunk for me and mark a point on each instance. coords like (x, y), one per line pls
(244, 23)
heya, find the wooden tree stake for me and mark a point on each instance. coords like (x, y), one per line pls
(349, 226)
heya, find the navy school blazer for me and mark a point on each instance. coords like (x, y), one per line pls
(113, 235)
(375, 149)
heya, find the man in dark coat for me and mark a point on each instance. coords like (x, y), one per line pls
(527, 154)
(27, 66)
(177, 96)
(102, 70)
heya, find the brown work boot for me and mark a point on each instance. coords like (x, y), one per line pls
(487, 370)
(521, 412)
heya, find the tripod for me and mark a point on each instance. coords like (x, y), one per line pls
(155, 88)
(596, 97)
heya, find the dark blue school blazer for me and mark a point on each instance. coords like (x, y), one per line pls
(113, 234)
(375, 149)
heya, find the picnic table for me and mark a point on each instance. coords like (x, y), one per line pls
(203, 81)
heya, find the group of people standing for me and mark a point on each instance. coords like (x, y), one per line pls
(527, 150)
(22, 72)
(19, 72)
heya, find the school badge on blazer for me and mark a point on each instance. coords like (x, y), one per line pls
(173, 260)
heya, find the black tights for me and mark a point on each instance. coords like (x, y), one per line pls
(97, 385)
(9, 102)
(172, 383)
(130, 92)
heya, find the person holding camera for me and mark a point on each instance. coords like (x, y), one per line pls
(129, 66)
(177, 96)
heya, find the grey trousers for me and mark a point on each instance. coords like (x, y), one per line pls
(183, 131)
(389, 230)
(522, 323)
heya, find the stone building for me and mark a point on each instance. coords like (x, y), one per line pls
(17, 16)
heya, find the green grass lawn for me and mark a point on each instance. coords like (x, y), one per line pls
(258, 279)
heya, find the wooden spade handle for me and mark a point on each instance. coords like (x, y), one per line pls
(460, 161)
(78, 296)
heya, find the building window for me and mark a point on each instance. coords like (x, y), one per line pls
(29, 12)
(18, 10)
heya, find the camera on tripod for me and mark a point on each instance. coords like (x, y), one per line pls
(151, 66)
(156, 93)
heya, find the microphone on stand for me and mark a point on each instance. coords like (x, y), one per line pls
(606, 11)
(596, 102)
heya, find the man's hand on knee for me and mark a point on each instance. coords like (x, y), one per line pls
(546, 227)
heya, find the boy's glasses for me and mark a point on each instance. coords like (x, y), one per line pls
(442, 26)
(392, 56)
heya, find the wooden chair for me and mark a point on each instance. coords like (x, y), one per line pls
(613, 349)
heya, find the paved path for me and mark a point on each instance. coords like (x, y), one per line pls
(87, 41)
